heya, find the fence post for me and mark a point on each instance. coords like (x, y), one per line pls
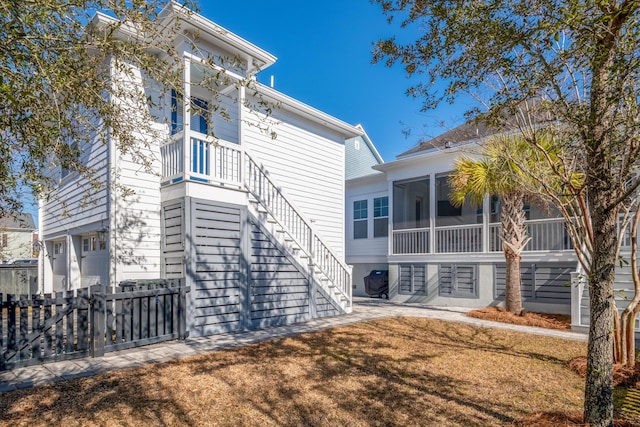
(577, 288)
(182, 311)
(11, 322)
(97, 332)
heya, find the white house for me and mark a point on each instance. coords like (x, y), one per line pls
(254, 225)
(399, 218)
(16, 237)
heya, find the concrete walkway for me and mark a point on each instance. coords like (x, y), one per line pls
(363, 309)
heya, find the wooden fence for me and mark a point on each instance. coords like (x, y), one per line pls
(89, 322)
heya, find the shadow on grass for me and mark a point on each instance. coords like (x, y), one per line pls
(386, 372)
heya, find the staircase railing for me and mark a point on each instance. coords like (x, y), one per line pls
(299, 228)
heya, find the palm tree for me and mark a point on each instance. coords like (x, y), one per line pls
(497, 173)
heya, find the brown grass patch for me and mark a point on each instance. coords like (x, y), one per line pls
(528, 318)
(622, 375)
(556, 419)
(389, 372)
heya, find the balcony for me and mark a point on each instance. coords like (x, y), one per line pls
(216, 162)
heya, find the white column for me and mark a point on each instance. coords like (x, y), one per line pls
(486, 218)
(391, 218)
(186, 114)
(241, 100)
(432, 213)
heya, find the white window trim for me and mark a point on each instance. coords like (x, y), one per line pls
(369, 197)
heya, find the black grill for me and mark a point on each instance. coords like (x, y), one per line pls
(376, 284)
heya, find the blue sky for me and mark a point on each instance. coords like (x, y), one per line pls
(324, 60)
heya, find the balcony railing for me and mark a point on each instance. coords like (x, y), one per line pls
(208, 161)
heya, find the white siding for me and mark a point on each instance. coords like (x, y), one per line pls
(76, 203)
(135, 216)
(370, 249)
(307, 162)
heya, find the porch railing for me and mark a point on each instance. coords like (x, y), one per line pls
(459, 238)
(546, 235)
(414, 241)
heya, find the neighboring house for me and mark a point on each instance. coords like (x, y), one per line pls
(440, 254)
(16, 237)
(255, 225)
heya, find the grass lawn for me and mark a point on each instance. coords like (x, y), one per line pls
(401, 371)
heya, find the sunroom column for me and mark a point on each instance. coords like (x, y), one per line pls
(432, 213)
(486, 218)
(392, 219)
(186, 114)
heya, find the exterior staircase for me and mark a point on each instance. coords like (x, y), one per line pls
(330, 276)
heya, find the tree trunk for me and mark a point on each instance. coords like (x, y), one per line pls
(514, 237)
(598, 407)
(513, 283)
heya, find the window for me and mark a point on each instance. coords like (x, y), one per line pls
(381, 217)
(177, 112)
(58, 248)
(360, 219)
(5, 240)
(199, 113)
(90, 244)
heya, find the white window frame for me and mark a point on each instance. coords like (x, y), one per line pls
(58, 248)
(352, 218)
(380, 216)
(360, 219)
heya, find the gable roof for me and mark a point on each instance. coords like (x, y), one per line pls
(478, 128)
(21, 222)
(468, 131)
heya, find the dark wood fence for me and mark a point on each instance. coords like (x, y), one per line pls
(89, 322)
